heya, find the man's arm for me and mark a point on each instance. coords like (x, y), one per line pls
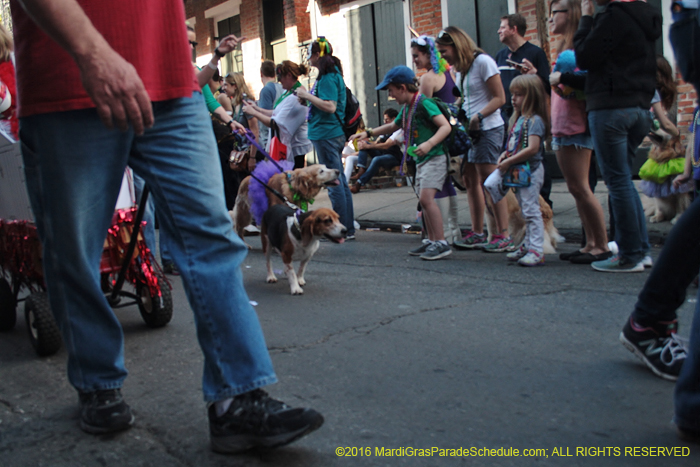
(111, 82)
(226, 45)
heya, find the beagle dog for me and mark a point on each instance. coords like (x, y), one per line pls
(295, 235)
(299, 186)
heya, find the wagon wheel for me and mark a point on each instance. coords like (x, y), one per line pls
(43, 331)
(156, 311)
(8, 306)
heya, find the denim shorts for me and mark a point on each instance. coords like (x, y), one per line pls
(489, 147)
(581, 140)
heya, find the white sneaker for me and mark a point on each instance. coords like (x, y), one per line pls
(647, 261)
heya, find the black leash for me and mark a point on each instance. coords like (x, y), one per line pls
(251, 138)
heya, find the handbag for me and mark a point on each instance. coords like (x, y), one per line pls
(518, 175)
(239, 156)
(458, 143)
(238, 160)
(278, 150)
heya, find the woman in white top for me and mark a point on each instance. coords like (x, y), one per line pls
(479, 82)
(288, 114)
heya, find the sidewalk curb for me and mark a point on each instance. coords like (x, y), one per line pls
(573, 236)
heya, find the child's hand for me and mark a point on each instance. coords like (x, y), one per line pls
(423, 149)
(680, 179)
(503, 164)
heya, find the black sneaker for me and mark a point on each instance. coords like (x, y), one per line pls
(657, 346)
(104, 411)
(692, 436)
(254, 419)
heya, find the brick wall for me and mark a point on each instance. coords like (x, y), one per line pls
(426, 16)
(295, 14)
(686, 104)
(528, 8)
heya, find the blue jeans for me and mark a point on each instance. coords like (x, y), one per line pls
(687, 394)
(329, 153)
(386, 161)
(685, 38)
(616, 135)
(74, 167)
(149, 230)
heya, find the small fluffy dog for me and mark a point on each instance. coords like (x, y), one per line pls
(517, 226)
(299, 186)
(663, 201)
(296, 236)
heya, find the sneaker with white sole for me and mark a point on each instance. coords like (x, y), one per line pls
(498, 244)
(471, 241)
(531, 259)
(421, 249)
(657, 346)
(517, 254)
(617, 264)
(256, 420)
(647, 261)
(436, 250)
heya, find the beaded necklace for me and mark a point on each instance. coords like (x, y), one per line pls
(311, 106)
(296, 86)
(407, 123)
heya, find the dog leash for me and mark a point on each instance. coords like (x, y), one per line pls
(251, 138)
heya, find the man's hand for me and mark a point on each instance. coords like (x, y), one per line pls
(362, 135)
(117, 90)
(229, 43)
(587, 8)
(528, 68)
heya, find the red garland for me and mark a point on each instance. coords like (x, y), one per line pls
(144, 268)
(20, 254)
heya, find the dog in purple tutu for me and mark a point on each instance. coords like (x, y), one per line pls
(299, 186)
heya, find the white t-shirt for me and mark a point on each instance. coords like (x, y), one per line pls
(475, 91)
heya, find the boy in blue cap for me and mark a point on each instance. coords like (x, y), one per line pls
(425, 129)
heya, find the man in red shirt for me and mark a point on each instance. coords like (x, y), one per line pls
(85, 67)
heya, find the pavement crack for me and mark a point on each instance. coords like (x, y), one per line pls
(365, 329)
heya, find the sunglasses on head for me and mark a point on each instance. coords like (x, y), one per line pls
(193, 43)
(445, 37)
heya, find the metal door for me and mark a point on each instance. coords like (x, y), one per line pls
(377, 43)
(480, 19)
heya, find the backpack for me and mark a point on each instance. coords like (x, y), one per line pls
(458, 143)
(353, 114)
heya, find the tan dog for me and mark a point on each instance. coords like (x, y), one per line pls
(668, 208)
(305, 183)
(517, 225)
(296, 237)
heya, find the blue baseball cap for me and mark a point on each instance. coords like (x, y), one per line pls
(398, 75)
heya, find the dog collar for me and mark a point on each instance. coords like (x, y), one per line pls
(298, 200)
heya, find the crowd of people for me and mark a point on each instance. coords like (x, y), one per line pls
(152, 113)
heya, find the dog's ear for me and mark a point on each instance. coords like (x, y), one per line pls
(307, 228)
(303, 184)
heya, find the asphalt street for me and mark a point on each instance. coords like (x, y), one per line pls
(467, 352)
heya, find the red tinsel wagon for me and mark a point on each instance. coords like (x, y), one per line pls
(125, 258)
